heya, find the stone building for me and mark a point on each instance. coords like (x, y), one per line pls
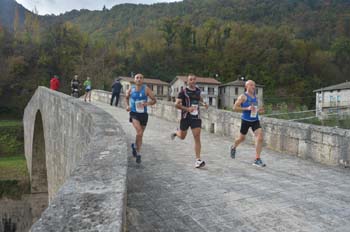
(159, 88)
(209, 87)
(333, 100)
(230, 92)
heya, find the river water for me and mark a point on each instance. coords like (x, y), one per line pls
(20, 215)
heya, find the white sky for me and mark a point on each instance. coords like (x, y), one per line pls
(61, 6)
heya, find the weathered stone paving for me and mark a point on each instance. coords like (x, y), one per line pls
(166, 192)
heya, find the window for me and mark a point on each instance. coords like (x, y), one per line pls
(127, 86)
(202, 89)
(159, 90)
(338, 98)
(236, 91)
(210, 101)
(257, 91)
(224, 89)
(332, 100)
(150, 86)
(211, 91)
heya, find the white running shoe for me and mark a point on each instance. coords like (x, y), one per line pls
(199, 164)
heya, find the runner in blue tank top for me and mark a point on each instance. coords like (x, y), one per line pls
(137, 101)
(247, 103)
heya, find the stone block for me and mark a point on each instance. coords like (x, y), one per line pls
(290, 145)
(316, 136)
(303, 149)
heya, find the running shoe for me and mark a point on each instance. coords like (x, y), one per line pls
(173, 135)
(233, 152)
(199, 164)
(259, 163)
(133, 147)
(138, 158)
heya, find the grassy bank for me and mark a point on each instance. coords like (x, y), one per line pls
(10, 123)
(13, 168)
(14, 179)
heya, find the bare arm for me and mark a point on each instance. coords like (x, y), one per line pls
(127, 97)
(150, 94)
(203, 103)
(237, 106)
(178, 105)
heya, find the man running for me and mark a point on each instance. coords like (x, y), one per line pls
(247, 103)
(188, 102)
(137, 101)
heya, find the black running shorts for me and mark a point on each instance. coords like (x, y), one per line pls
(141, 117)
(246, 124)
(185, 123)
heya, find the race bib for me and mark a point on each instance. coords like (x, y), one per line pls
(254, 111)
(139, 106)
(195, 112)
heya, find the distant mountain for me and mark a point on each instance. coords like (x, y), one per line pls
(309, 18)
(8, 10)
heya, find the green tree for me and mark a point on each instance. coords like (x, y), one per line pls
(169, 27)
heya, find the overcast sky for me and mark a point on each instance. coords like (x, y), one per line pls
(61, 6)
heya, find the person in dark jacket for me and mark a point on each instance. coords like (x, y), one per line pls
(116, 88)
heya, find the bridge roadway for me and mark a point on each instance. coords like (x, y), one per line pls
(166, 192)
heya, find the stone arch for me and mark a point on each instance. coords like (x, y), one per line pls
(39, 183)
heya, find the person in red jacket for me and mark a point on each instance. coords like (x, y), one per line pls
(54, 83)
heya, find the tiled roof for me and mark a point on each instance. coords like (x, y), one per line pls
(145, 81)
(345, 85)
(238, 83)
(202, 80)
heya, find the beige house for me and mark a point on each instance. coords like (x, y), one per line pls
(159, 88)
(209, 87)
(230, 92)
(333, 100)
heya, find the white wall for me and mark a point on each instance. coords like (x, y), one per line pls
(331, 102)
(228, 97)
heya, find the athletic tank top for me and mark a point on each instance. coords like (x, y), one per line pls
(246, 114)
(137, 98)
(190, 98)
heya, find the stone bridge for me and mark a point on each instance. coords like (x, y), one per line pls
(79, 153)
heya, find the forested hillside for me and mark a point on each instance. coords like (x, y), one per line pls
(290, 46)
(12, 14)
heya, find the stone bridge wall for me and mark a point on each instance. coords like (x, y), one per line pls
(77, 153)
(322, 144)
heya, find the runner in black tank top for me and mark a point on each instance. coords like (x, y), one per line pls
(188, 102)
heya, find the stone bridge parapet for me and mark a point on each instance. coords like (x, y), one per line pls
(77, 153)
